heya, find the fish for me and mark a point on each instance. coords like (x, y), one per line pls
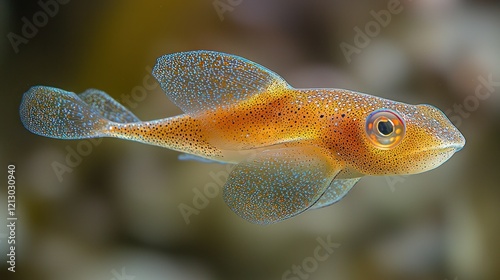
(292, 149)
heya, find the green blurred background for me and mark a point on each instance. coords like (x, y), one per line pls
(117, 212)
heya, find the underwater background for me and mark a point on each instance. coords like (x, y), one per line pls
(113, 209)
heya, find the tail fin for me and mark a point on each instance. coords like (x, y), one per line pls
(56, 113)
(107, 107)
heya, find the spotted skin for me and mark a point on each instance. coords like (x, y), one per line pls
(294, 149)
(181, 133)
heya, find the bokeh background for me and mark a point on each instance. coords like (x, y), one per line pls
(116, 214)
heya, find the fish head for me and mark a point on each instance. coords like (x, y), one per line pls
(402, 139)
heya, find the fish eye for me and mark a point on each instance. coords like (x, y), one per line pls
(385, 129)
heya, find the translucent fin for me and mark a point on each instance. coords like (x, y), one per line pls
(200, 159)
(107, 106)
(278, 184)
(56, 113)
(198, 81)
(335, 192)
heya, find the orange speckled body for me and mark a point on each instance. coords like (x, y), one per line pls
(181, 133)
(308, 147)
(329, 118)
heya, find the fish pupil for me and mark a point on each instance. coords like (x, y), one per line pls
(385, 127)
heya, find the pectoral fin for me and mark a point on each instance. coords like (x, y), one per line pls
(335, 192)
(278, 184)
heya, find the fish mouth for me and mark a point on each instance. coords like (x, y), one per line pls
(442, 149)
(428, 159)
(456, 145)
(442, 152)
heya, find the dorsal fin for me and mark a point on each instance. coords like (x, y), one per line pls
(198, 81)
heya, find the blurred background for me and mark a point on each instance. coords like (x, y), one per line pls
(114, 209)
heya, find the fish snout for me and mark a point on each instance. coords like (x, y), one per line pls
(453, 139)
(460, 142)
(447, 134)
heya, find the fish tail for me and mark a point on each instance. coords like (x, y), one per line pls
(56, 113)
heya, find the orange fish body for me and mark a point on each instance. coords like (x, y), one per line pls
(294, 149)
